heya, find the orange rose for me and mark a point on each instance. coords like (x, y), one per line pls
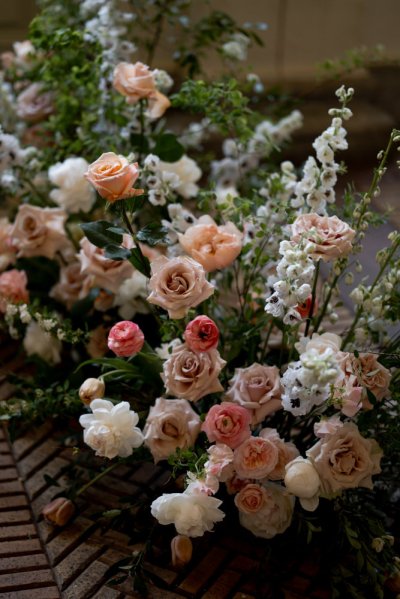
(113, 177)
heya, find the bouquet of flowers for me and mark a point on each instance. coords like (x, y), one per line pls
(183, 299)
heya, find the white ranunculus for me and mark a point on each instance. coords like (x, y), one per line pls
(303, 480)
(111, 430)
(187, 171)
(37, 341)
(75, 193)
(193, 514)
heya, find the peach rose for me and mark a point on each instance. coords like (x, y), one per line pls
(345, 460)
(255, 458)
(171, 424)
(273, 517)
(113, 177)
(136, 82)
(34, 104)
(286, 452)
(125, 339)
(7, 251)
(107, 273)
(178, 284)
(251, 498)
(191, 375)
(258, 389)
(70, 287)
(213, 246)
(201, 334)
(39, 231)
(227, 423)
(13, 288)
(369, 374)
(331, 236)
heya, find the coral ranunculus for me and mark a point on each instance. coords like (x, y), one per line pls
(125, 339)
(201, 334)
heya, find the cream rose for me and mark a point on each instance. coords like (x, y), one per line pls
(302, 479)
(331, 236)
(191, 375)
(215, 247)
(345, 460)
(113, 177)
(178, 284)
(256, 388)
(106, 273)
(171, 424)
(39, 231)
(274, 516)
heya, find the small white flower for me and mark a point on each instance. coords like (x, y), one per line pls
(111, 430)
(75, 193)
(37, 341)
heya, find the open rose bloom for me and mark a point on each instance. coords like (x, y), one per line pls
(136, 82)
(113, 177)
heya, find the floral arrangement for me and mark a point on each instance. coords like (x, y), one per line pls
(181, 298)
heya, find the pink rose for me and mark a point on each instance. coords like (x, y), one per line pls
(213, 246)
(178, 284)
(331, 236)
(257, 388)
(113, 177)
(286, 452)
(369, 374)
(13, 288)
(255, 458)
(7, 251)
(171, 424)
(33, 104)
(125, 339)
(191, 375)
(70, 287)
(136, 82)
(106, 273)
(227, 423)
(345, 460)
(201, 334)
(251, 498)
(39, 231)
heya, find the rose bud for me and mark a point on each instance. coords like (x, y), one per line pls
(125, 339)
(181, 551)
(202, 334)
(91, 389)
(302, 480)
(58, 511)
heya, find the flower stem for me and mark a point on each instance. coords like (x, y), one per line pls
(313, 294)
(141, 256)
(96, 478)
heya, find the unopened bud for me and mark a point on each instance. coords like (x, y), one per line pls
(91, 389)
(59, 511)
(181, 551)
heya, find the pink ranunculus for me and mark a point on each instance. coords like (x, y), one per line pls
(125, 339)
(13, 288)
(201, 334)
(113, 177)
(213, 246)
(227, 423)
(255, 458)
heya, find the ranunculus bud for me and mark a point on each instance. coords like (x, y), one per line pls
(201, 334)
(59, 511)
(91, 389)
(125, 339)
(181, 551)
(302, 480)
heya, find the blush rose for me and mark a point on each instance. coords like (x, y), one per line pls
(227, 423)
(255, 458)
(331, 236)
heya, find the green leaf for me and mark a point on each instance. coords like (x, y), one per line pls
(153, 234)
(116, 252)
(113, 363)
(101, 233)
(140, 262)
(168, 148)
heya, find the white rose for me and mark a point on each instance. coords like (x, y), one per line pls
(192, 514)
(75, 193)
(187, 171)
(111, 430)
(37, 341)
(303, 480)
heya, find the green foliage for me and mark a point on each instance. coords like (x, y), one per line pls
(221, 102)
(168, 148)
